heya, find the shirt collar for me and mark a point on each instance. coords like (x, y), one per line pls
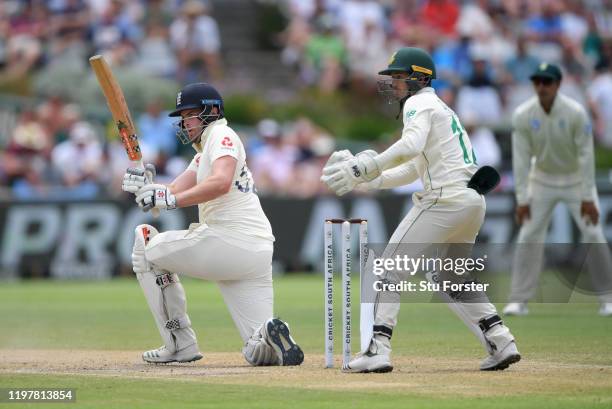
(555, 105)
(206, 133)
(424, 90)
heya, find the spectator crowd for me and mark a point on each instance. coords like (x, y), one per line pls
(177, 39)
(49, 148)
(484, 52)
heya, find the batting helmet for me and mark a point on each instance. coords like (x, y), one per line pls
(201, 96)
(198, 95)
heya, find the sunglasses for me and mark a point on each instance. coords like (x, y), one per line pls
(542, 81)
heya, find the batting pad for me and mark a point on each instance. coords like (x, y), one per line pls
(155, 300)
(164, 294)
(168, 305)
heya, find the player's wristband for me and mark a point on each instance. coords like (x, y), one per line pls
(170, 200)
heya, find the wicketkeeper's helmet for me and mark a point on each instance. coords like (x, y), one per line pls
(411, 60)
(414, 61)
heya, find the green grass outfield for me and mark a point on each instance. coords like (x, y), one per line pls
(88, 336)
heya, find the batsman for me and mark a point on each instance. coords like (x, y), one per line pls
(450, 210)
(231, 245)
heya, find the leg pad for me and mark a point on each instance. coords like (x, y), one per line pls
(165, 295)
(165, 279)
(178, 323)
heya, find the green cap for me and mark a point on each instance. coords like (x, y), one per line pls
(410, 59)
(546, 70)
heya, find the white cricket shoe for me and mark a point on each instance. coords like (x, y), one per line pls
(516, 308)
(606, 309)
(500, 360)
(161, 355)
(368, 362)
(375, 359)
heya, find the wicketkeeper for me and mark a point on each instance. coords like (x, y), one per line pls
(232, 244)
(435, 148)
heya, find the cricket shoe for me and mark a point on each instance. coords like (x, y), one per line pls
(367, 362)
(516, 308)
(163, 356)
(500, 360)
(606, 309)
(277, 335)
(375, 359)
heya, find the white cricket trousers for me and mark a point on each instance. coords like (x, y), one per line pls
(241, 269)
(528, 256)
(453, 216)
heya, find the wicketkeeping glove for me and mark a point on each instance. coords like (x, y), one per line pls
(155, 196)
(135, 178)
(338, 156)
(342, 177)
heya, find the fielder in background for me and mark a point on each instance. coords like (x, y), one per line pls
(232, 244)
(552, 158)
(435, 148)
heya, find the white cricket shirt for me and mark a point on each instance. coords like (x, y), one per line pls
(556, 149)
(237, 213)
(435, 144)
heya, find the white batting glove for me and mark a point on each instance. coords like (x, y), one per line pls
(342, 177)
(154, 196)
(135, 178)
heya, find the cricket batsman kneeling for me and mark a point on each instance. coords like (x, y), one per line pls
(232, 244)
(435, 148)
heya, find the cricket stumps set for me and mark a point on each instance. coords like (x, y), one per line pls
(366, 311)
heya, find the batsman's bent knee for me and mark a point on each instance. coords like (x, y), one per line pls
(142, 235)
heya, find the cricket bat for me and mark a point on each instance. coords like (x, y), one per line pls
(120, 112)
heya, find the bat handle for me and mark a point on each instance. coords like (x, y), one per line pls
(149, 176)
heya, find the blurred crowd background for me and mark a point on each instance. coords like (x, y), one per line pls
(299, 79)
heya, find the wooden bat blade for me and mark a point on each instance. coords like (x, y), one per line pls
(117, 106)
(120, 112)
